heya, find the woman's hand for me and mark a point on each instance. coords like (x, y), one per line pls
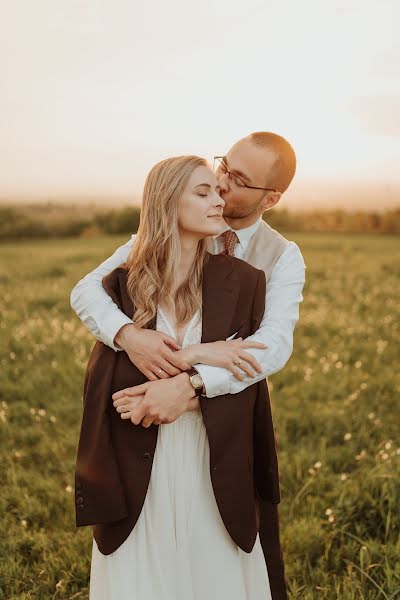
(230, 355)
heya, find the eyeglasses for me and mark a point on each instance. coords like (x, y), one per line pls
(220, 167)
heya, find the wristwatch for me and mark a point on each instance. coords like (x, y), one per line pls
(196, 381)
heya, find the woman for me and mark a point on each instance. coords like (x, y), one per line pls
(184, 526)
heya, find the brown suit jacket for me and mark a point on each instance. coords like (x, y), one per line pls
(114, 458)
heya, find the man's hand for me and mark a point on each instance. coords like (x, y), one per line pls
(161, 401)
(152, 352)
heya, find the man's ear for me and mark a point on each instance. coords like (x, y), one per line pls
(270, 199)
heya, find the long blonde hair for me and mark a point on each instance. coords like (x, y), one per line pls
(156, 251)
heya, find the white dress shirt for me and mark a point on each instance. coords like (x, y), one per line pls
(283, 295)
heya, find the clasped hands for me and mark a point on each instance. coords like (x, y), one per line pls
(168, 393)
(156, 402)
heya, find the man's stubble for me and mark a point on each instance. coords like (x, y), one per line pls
(238, 212)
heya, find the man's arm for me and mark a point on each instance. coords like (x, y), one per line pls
(283, 296)
(94, 306)
(152, 352)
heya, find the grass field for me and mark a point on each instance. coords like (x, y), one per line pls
(336, 412)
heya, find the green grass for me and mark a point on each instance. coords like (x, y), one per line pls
(335, 410)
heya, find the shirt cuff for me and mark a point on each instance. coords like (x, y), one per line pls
(110, 327)
(217, 381)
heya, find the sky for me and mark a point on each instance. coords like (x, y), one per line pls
(94, 92)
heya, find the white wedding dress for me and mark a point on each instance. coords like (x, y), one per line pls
(179, 548)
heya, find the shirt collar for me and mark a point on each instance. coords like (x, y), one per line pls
(245, 235)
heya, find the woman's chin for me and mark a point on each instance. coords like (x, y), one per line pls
(211, 228)
(216, 229)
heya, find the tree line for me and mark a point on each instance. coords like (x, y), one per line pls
(52, 221)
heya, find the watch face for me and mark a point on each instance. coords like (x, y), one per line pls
(197, 381)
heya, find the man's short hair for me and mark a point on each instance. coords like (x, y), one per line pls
(285, 164)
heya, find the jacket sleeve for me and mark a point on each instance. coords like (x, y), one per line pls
(269, 534)
(99, 494)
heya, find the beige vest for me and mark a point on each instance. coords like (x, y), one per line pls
(264, 249)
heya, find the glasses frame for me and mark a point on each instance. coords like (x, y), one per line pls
(230, 174)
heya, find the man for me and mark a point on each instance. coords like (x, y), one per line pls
(252, 176)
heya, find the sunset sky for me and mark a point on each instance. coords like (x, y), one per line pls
(94, 92)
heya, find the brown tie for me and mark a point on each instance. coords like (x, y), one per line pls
(230, 240)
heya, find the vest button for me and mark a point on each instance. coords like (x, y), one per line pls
(147, 456)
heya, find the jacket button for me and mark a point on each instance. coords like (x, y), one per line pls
(79, 500)
(81, 506)
(147, 456)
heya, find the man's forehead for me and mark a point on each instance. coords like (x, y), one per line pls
(249, 159)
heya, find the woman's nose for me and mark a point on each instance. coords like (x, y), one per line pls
(219, 201)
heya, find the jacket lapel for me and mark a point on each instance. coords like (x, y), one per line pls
(220, 293)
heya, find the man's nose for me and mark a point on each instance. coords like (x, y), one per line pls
(223, 182)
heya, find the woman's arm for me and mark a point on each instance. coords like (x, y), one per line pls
(230, 355)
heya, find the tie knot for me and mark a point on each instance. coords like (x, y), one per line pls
(230, 240)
